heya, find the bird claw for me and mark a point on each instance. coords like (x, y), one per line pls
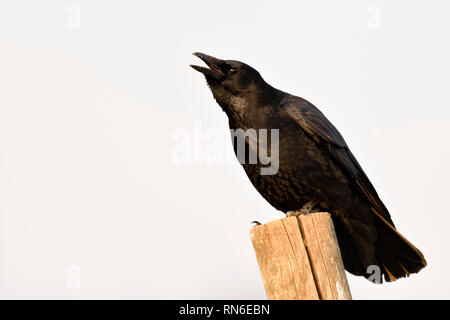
(306, 209)
(256, 223)
(295, 213)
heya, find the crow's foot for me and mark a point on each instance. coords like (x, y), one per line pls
(256, 223)
(306, 209)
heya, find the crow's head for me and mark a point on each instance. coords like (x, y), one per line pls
(229, 79)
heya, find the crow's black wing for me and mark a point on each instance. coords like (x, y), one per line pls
(315, 124)
(312, 121)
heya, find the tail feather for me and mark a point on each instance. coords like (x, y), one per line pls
(397, 257)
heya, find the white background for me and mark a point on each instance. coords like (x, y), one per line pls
(92, 204)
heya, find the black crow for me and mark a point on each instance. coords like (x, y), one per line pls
(315, 169)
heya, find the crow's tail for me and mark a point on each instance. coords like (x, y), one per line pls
(396, 256)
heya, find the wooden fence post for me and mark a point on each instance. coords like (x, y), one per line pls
(299, 258)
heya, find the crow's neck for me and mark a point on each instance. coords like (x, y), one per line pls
(251, 106)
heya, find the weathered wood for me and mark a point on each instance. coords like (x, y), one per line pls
(299, 258)
(283, 260)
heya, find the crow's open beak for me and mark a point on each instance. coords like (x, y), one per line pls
(213, 64)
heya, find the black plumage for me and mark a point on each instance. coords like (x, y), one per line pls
(315, 166)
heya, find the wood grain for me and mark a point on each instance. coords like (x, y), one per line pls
(299, 258)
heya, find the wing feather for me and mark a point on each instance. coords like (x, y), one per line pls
(314, 122)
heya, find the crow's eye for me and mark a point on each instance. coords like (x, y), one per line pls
(232, 70)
